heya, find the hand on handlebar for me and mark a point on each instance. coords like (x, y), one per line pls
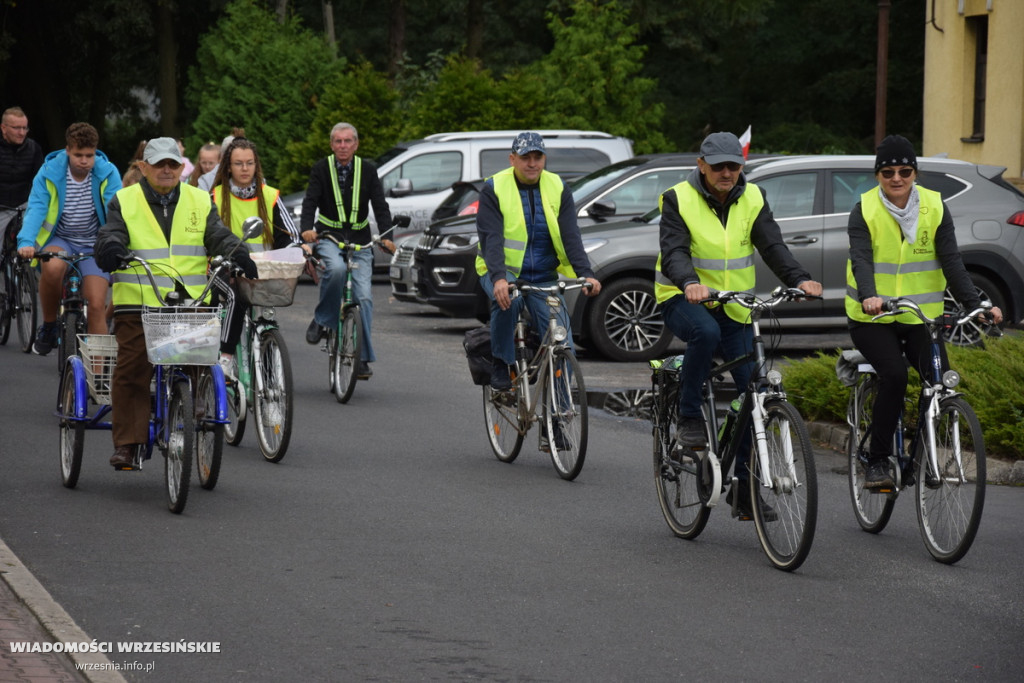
(26, 252)
(873, 305)
(810, 287)
(501, 294)
(592, 287)
(695, 293)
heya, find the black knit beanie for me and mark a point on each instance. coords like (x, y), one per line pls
(895, 150)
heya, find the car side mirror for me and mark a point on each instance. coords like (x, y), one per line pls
(402, 188)
(601, 209)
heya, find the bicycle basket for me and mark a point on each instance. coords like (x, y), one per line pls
(99, 355)
(182, 335)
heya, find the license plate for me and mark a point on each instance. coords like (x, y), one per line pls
(395, 273)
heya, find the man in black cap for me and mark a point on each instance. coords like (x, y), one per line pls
(710, 225)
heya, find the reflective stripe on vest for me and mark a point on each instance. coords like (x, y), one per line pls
(184, 257)
(901, 268)
(245, 208)
(510, 201)
(357, 181)
(722, 256)
(53, 215)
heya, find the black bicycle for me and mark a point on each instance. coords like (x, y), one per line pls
(71, 320)
(782, 479)
(18, 288)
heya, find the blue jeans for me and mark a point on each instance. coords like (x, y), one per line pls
(503, 323)
(332, 287)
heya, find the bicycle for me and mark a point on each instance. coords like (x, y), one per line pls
(71, 320)
(946, 458)
(264, 381)
(18, 288)
(782, 478)
(556, 373)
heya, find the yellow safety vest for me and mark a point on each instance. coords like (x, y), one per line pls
(357, 181)
(244, 208)
(184, 256)
(722, 257)
(511, 204)
(901, 268)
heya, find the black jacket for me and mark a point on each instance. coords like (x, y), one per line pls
(18, 166)
(320, 196)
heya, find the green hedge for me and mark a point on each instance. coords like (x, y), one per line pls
(992, 381)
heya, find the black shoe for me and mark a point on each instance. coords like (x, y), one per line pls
(690, 434)
(124, 457)
(46, 339)
(877, 475)
(744, 510)
(500, 380)
(364, 370)
(561, 443)
(314, 332)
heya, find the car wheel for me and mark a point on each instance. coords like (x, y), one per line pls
(624, 322)
(974, 333)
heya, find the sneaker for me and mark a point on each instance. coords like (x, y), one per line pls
(877, 476)
(227, 364)
(46, 339)
(364, 370)
(314, 332)
(500, 380)
(744, 510)
(690, 434)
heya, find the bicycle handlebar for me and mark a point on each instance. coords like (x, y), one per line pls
(559, 287)
(749, 300)
(217, 264)
(898, 305)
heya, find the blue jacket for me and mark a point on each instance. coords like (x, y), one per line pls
(50, 184)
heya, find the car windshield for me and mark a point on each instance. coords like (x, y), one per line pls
(584, 186)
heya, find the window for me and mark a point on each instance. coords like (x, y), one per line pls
(946, 185)
(848, 186)
(790, 195)
(568, 162)
(977, 29)
(430, 172)
(640, 193)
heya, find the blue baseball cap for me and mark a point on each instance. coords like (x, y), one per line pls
(528, 142)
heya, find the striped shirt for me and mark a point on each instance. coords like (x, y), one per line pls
(78, 222)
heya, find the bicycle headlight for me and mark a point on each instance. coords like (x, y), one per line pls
(774, 378)
(559, 333)
(950, 378)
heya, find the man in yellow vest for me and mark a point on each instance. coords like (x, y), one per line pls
(710, 225)
(528, 233)
(173, 225)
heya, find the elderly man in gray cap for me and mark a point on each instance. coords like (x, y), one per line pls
(710, 225)
(177, 225)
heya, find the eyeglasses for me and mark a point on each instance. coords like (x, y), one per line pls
(167, 163)
(731, 165)
(888, 173)
(243, 164)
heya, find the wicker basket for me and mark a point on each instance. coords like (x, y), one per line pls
(99, 355)
(276, 285)
(182, 335)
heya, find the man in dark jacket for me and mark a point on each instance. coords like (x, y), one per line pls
(20, 160)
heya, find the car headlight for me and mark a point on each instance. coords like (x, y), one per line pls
(593, 244)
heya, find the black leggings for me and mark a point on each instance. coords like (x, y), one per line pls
(884, 345)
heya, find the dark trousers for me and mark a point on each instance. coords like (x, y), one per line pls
(129, 395)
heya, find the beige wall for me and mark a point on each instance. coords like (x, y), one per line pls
(949, 83)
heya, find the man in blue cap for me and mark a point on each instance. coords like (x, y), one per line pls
(528, 233)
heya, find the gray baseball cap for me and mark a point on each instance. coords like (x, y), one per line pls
(528, 142)
(719, 147)
(159, 149)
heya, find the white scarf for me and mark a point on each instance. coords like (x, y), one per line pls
(243, 192)
(907, 216)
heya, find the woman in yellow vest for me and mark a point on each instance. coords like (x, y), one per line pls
(239, 192)
(902, 243)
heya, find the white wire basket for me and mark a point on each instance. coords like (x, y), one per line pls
(182, 335)
(99, 355)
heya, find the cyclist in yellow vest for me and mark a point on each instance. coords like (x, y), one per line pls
(239, 192)
(170, 224)
(342, 188)
(528, 232)
(902, 243)
(710, 225)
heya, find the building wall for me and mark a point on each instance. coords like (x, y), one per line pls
(949, 83)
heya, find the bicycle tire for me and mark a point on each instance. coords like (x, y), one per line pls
(678, 481)
(235, 428)
(948, 511)
(346, 358)
(793, 495)
(26, 313)
(505, 429)
(180, 446)
(209, 435)
(272, 405)
(72, 432)
(67, 343)
(6, 300)
(565, 413)
(871, 509)
(332, 351)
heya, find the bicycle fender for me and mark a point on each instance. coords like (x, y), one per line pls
(79, 411)
(220, 393)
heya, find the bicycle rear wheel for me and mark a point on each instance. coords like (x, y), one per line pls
(786, 514)
(6, 300)
(505, 431)
(180, 446)
(67, 345)
(272, 404)
(565, 414)
(678, 482)
(872, 510)
(235, 428)
(72, 432)
(25, 311)
(346, 360)
(950, 501)
(209, 434)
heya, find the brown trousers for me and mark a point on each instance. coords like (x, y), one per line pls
(129, 395)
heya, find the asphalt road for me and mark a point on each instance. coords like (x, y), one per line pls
(390, 545)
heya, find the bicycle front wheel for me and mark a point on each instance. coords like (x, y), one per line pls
(272, 398)
(950, 500)
(209, 434)
(565, 414)
(505, 430)
(345, 364)
(180, 445)
(872, 510)
(785, 495)
(72, 432)
(26, 307)
(6, 301)
(67, 345)
(678, 479)
(235, 428)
